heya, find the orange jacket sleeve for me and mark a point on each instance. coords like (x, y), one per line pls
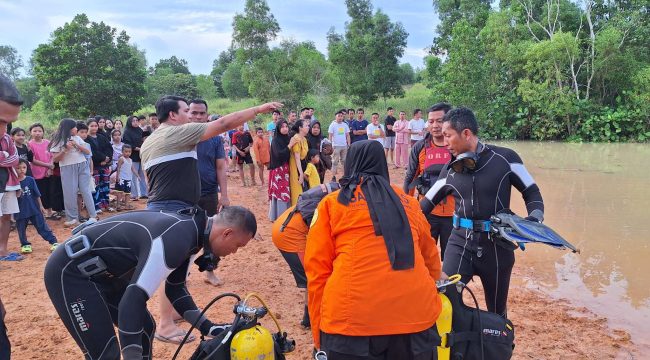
(319, 259)
(428, 247)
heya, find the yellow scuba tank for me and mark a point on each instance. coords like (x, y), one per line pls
(443, 324)
(255, 343)
(444, 327)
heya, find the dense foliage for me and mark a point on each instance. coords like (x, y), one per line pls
(575, 70)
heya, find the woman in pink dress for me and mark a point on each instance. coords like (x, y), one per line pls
(402, 139)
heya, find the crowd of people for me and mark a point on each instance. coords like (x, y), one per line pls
(355, 242)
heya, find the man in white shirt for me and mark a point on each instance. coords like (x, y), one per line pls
(375, 130)
(417, 127)
(339, 136)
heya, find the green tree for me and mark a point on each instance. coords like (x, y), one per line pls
(289, 73)
(219, 66)
(475, 12)
(233, 83)
(10, 62)
(407, 74)
(171, 84)
(28, 88)
(366, 57)
(253, 29)
(431, 73)
(205, 87)
(91, 68)
(173, 65)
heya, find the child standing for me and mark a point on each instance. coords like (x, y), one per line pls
(31, 211)
(42, 167)
(117, 144)
(24, 152)
(68, 150)
(242, 142)
(262, 151)
(123, 175)
(311, 173)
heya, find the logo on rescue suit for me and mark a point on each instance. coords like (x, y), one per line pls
(77, 307)
(360, 197)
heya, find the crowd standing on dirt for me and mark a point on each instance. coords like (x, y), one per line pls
(97, 167)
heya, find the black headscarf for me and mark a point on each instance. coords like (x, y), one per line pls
(313, 140)
(280, 152)
(366, 166)
(133, 136)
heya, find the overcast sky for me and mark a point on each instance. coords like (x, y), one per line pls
(197, 30)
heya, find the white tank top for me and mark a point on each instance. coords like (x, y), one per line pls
(125, 169)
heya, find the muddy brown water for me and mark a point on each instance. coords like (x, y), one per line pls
(597, 196)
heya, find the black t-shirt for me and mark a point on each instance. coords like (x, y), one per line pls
(243, 140)
(390, 120)
(27, 155)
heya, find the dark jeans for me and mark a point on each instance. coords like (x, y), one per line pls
(167, 205)
(41, 227)
(440, 231)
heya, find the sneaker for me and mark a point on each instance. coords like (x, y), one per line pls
(98, 211)
(26, 249)
(12, 257)
(71, 223)
(91, 221)
(53, 246)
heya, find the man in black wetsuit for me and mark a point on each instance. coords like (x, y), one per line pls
(107, 271)
(480, 178)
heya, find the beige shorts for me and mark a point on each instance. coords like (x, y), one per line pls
(9, 203)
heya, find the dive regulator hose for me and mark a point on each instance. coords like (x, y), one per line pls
(219, 297)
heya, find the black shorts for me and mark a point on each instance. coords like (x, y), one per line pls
(247, 159)
(124, 187)
(296, 267)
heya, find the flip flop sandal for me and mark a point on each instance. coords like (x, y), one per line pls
(12, 257)
(174, 339)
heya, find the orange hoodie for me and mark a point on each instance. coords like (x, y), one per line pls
(352, 287)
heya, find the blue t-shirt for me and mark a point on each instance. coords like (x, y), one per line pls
(358, 125)
(27, 202)
(208, 152)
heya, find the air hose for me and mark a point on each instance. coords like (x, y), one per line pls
(217, 298)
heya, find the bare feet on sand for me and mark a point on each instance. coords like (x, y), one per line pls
(212, 279)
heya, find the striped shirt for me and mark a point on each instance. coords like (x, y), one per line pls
(170, 162)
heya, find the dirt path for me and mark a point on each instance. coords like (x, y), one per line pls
(544, 328)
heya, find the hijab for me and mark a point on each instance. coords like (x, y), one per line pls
(279, 147)
(313, 140)
(366, 166)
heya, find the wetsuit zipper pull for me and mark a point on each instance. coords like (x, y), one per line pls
(479, 251)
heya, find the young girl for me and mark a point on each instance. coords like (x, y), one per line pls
(67, 149)
(109, 125)
(24, 152)
(117, 144)
(102, 152)
(118, 125)
(42, 167)
(312, 178)
(123, 175)
(262, 152)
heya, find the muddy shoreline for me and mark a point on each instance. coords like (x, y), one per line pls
(545, 328)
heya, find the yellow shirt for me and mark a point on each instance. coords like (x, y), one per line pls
(312, 176)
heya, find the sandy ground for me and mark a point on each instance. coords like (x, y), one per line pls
(545, 329)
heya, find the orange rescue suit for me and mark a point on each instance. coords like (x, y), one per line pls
(294, 236)
(353, 290)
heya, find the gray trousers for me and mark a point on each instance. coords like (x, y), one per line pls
(76, 178)
(339, 155)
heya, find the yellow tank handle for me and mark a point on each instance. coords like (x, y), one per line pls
(443, 324)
